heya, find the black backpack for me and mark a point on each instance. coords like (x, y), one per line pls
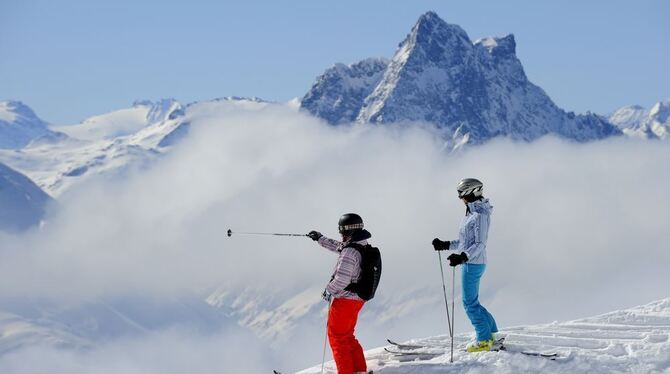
(371, 271)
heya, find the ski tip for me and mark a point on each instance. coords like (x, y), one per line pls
(276, 372)
(230, 233)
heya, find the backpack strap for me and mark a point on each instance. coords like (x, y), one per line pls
(353, 287)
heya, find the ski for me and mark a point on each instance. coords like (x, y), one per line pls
(426, 352)
(551, 356)
(404, 356)
(407, 346)
(413, 353)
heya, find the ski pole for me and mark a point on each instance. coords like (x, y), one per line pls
(453, 310)
(230, 233)
(444, 291)
(325, 339)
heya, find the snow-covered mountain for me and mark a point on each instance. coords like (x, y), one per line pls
(22, 202)
(338, 95)
(19, 125)
(473, 90)
(113, 143)
(107, 144)
(124, 121)
(635, 340)
(638, 121)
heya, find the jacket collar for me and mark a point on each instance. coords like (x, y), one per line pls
(479, 206)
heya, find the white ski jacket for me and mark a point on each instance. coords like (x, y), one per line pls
(474, 232)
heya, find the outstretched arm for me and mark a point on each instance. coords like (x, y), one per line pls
(331, 244)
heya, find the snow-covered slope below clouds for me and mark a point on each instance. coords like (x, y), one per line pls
(19, 125)
(635, 340)
(640, 122)
(22, 203)
(25, 325)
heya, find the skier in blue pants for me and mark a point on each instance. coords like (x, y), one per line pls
(470, 248)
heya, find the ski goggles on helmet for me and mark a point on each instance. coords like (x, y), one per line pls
(348, 228)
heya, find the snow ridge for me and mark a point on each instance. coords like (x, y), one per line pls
(639, 122)
(126, 121)
(19, 125)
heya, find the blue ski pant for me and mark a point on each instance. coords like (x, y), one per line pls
(480, 318)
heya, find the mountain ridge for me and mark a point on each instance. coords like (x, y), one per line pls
(474, 90)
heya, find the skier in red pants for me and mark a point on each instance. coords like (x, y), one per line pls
(346, 305)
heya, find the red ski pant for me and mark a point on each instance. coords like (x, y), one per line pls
(347, 352)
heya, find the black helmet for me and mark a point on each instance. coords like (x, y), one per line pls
(349, 223)
(470, 186)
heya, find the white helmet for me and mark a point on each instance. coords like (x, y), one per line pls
(469, 186)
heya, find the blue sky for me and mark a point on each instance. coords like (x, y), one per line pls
(72, 59)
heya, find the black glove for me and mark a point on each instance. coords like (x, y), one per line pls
(439, 245)
(326, 296)
(455, 260)
(314, 235)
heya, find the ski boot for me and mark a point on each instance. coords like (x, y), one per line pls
(483, 346)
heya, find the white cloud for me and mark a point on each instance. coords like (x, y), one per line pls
(171, 351)
(577, 229)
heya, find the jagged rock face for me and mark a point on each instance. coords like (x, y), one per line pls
(474, 90)
(433, 77)
(337, 95)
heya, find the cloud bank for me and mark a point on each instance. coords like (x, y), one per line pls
(577, 229)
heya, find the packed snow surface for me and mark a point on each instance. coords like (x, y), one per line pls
(635, 340)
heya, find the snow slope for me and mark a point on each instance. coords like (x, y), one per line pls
(124, 121)
(25, 324)
(635, 340)
(19, 125)
(22, 203)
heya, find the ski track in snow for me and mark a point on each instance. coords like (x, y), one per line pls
(635, 340)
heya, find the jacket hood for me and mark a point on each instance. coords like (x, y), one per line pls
(481, 206)
(360, 235)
